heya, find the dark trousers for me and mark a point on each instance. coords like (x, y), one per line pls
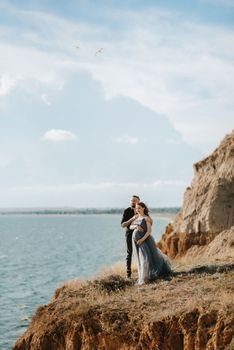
(129, 252)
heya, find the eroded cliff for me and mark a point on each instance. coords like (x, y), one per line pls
(208, 207)
(191, 311)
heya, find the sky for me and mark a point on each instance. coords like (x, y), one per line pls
(100, 100)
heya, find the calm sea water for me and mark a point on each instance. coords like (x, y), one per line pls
(39, 253)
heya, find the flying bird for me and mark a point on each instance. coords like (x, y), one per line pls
(99, 51)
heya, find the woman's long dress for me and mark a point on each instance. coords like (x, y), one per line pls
(151, 262)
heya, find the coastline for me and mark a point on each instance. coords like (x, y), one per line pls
(168, 216)
(159, 212)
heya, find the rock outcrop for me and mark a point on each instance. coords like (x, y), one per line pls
(192, 311)
(192, 330)
(208, 206)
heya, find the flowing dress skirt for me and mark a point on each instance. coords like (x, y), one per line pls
(151, 262)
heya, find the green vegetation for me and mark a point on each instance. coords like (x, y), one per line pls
(80, 211)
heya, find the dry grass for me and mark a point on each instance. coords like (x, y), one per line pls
(113, 305)
(230, 346)
(110, 295)
(218, 251)
(152, 302)
(110, 290)
(189, 261)
(75, 283)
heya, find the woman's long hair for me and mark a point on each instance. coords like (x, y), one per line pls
(144, 206)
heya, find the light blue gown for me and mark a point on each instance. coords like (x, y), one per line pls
(151, 262)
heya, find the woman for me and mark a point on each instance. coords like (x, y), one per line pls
(151, 262)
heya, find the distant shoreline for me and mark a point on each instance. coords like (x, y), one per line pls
(169, 216)
(160, 212)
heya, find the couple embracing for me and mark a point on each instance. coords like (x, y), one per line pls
(151, 262)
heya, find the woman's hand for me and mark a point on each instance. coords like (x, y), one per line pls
(140, 241)
(136, 227)
(133, 226)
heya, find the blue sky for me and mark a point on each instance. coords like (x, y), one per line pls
(85, 128)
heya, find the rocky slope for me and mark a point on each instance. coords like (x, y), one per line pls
(194, 310)
(208, 206)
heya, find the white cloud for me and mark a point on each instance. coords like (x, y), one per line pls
(183, 70)
(109, 194)
(5, 160)
(6, 84)
(168, 183)
(227, 3)
(56, 135)
(99, 187)
(45, 99)
(160, 184)
(127, 139)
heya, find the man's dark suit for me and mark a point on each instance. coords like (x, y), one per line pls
(128, 214)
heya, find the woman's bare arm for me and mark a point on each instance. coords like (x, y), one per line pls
(148, 232)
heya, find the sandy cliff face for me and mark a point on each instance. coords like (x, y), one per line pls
(208, 206)
(190, 331)
(190, 312)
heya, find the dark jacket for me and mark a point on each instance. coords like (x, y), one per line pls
(128, 214)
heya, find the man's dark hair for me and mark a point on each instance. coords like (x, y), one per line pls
(137, 197)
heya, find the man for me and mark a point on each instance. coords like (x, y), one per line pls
(128, 214)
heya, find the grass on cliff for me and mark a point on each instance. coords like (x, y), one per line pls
(113, 294)
(112, 305)
(208, 287)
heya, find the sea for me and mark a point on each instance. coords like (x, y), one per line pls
(38, 253)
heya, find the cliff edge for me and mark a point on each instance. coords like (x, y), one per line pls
(208, 206)
(191, 310)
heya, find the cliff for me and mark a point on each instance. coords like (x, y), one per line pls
(208, 207)
(192, 310)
